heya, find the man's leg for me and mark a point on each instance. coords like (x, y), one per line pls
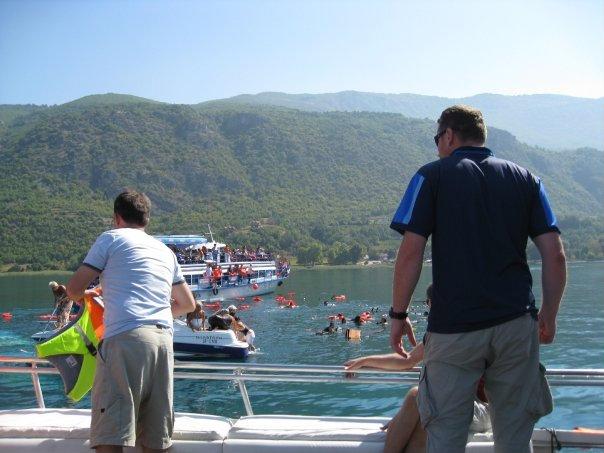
(156, 416)
(403, 425)
(113, 413)
(517, 391)
(453, 364)
(109, 449)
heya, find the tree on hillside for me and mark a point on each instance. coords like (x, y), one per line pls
(310, 254)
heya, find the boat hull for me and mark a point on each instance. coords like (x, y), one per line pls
(189, 344)
(227, 291)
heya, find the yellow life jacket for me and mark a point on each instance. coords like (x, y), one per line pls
(72, 350)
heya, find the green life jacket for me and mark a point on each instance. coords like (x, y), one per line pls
(72, 350)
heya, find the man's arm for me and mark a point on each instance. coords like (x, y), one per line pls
(390, 362)
(183, 300)
(79, 281)
(407, 270)
(553, 281)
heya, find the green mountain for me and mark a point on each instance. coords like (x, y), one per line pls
(546, 120)
(109, 99)
(291, 180)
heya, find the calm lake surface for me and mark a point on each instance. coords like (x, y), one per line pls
(287, 337)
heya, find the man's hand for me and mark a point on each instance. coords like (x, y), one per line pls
(553, 281)
(398, 329)
(547, 327)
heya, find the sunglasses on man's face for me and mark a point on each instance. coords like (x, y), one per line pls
(438, 136)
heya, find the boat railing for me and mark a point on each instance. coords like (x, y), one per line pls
(256, 264)
(240, 373)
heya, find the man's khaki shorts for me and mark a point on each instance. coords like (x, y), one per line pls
(518, 393)
(132, 392)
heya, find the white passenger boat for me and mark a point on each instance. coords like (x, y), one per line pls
(41, 429)
(265, 275)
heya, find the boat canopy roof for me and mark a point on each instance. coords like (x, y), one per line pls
(183, 240)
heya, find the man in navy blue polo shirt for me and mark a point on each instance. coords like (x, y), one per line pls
(480, 212)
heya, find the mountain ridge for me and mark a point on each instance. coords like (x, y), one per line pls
(323, 178)
(547, 120)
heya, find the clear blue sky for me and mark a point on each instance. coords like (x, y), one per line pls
(191, 51)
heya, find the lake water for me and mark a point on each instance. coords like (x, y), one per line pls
(287, 337)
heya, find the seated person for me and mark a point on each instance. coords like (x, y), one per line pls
(196, 319)
(223, 318)
(244, 333)
(405, 432)
(218, 321)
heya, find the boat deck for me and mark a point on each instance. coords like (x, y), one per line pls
(67, 430)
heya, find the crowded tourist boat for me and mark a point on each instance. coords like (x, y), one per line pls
(214, 271)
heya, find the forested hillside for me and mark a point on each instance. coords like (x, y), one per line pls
(545, 120)
(316, 185)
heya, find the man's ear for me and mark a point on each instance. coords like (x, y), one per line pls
(117, 220)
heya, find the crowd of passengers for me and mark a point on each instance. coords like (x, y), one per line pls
(216, 255)
(236, 274)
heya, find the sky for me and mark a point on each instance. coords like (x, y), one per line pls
(53, 52)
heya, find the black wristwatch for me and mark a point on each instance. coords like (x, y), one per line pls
(397, 314)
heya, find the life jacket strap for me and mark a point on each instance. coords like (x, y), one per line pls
(87, 341)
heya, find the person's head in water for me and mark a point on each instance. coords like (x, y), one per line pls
(429, 292)
(232, 310)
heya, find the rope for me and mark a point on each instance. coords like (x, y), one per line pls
(554, 443)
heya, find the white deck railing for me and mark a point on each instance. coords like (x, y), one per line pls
(241, 372)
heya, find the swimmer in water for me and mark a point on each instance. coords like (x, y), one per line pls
(331, 328)
(358, 320)
(383, 320)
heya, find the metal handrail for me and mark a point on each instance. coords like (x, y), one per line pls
(258, 372)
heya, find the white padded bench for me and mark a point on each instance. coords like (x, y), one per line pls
(289, 434)
(297, 434)
(68, 430)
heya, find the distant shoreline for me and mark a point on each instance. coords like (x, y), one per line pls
(316, 267)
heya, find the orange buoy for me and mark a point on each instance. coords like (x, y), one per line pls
(279, 297)
(257, 299)
(255, 286)
(339, 297)
(244, 307)
(7, 315)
